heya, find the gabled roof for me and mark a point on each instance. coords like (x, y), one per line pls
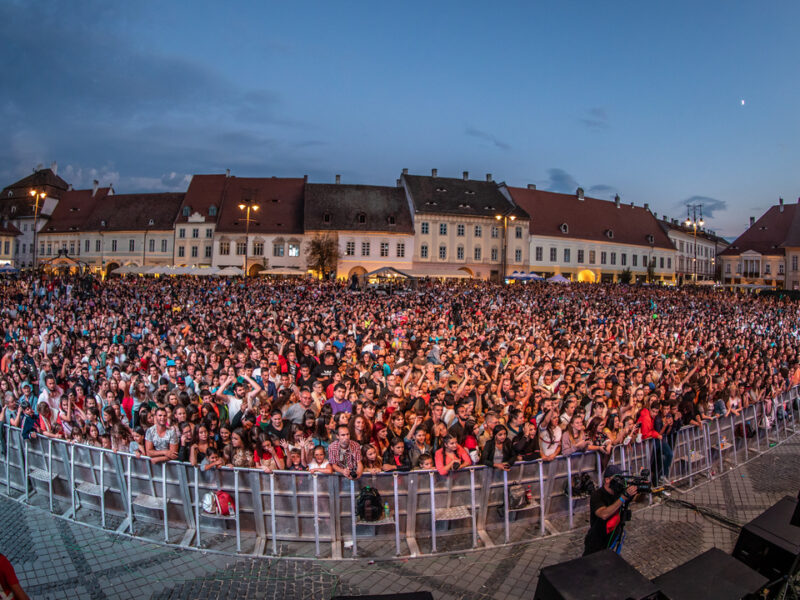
(589, 219)
(771, 234)
(135, 212)
(466, 197)
(74, 210)
(7, 228)
(338, 207)
(279, 200)
(205, 192)
(17, 195)
(681, 227)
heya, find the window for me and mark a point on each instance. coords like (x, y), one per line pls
(669, 262)
(553, 254)
(623, 258)
(603, 258)
(195, 232)
(364, 248)
(163, 245)
(350, 249)
(423, 251)
(644, 260)
(478, 231)
(182, 233)
(780, 268)
(187, 210)
(460, 230)
(6, 247)
(424, 228)
(96, 246)
(181, 251)
(326, 218)
(567, 255)
(152, 245)
(241, 248)
(635, 260)
(86, 247)
(518, 255)
(580, 256)
(294, 249)
(442, 228)
(494, 254)
(209, 233)
(212, 211)
(194, 251)
(794, 262)
(258, 248)
(24, 248)
(362, 218)
(208, 251)
(518, 233)
(16, 247)
(728, 268)
(277, 250)
(477, 252)
(680, 246)
(442, 252)
(495, 231)
(661, 262)
(384, 249)
(131, 245)
(460, 253)
(113, 245)
(391, 220)
(539, 253)
(613, 258)
(401, 250)
(224, 248)
(592, 257)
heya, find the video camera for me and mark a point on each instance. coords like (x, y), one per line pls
(619, 483)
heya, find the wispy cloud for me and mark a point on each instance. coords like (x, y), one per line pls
(603, 191)
(487, 137)
(560, 181)
(595, 118)
(710, 205)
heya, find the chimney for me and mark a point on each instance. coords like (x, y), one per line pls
(95, 183)
(405, 171)
(69, 187)
(616, 200)
(466, 175)
(54, 167)
(531, 186)
(338, 179)
(579, 193)
(399, 183)
(110, 189)
(39, 167)
(305, 178)
(752, 221)
(488, 177)
(434, 172)
(780, 202)
(646, 206)
(631, 204)
(227, 173)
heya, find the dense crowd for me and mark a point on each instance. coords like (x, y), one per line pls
(317, 377)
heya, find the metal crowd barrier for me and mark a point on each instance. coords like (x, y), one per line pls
(301, 514)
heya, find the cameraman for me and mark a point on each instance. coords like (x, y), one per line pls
(605, 522)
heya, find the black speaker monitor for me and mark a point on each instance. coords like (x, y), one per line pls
(713, 570)
(769, 543)
(600, 576)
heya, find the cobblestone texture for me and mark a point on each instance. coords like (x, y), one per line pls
(55, 558)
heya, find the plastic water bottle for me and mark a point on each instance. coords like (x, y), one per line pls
(386, 509)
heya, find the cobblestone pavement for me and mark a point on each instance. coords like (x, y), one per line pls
(55, 558)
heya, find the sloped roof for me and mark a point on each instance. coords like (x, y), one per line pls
(668, 226)
(74, 210)
(134, 212)
(337, 207)
(589, 219)
(204, 192)
(17, 194)
(7, 228)
(771, 234)
(280, 202)
(467, 197)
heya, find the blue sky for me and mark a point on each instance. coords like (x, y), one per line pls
(636, 98)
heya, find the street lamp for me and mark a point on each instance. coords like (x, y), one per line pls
(694, 222)
(247, 206)
(505, 218)
(38, 197)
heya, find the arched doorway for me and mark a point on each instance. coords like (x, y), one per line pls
(357, 271)
(467, 270)
(586, 276)
(254, 270)
(110, 268)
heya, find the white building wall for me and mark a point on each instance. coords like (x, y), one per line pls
(364, 251)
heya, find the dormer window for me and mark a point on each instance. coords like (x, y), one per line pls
(563, 228)
(150, 223)
(103, 223)
(650, 238)
(469, 192)
(274, 200)
(326, 218)
(361, 218)
(464, 205)
(610, 234)
(431, 203)
(441, 190)
(488, 207)
(73, 209)
(187, 210)
(212, 210)
(391, 220)
(13, 209)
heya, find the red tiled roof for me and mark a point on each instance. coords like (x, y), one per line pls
(280, 202)
(204, 192)
(135, 212)
(17, 194)
(9, 229)
(589, 219)
(774, 231)
(73, 210)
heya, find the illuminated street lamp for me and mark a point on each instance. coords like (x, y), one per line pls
(505, 218)
(694, 222)
(38, 197)
(247, 206)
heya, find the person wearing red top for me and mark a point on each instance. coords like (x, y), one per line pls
(9, 584)
(662, 457)
(451, 457)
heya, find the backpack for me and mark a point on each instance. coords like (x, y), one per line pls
(518, 496)
(582, 485)
(369, 505)
(218, 503)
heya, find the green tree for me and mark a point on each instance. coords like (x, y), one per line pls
(323, 254)
(625, 276)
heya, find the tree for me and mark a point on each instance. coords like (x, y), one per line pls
(625, 275)
(323, 254)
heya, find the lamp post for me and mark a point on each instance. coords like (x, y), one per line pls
(505, 218)
(694, 222)
(247, 206)
(38, 197)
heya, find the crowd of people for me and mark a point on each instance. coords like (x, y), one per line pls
(314, 376)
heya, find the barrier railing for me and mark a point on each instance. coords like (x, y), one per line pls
(301, 514)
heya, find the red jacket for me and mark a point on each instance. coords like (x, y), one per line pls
(646, 421)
